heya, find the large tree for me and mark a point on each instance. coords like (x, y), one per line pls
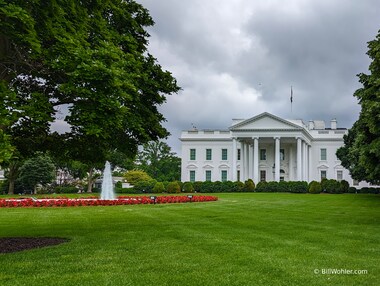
(157, 159)
(361, 151)
(38, 170)
(89, 58)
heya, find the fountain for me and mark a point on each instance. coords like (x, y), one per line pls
(107, 185)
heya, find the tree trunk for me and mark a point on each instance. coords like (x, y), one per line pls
(13, 170)
(89, 186)
(11, 187)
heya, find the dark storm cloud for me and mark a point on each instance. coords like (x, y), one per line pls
(239, 58)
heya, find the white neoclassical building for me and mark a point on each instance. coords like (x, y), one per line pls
(265, 148)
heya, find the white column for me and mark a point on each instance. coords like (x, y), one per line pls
(234, 159)
(255, 160)
(291, 164)
(304, 161)
(250, 175)
(309, 178)
(299, 164)
(246, 160)
(242, 161)
(277, 159)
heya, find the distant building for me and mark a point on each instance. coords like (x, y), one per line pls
(265, 148)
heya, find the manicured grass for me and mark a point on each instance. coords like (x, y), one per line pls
(242, 239)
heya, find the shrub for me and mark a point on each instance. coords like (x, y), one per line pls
(238, 186)
(323, 184)
(197, 186)
(125, 191)
(249, 186)
(66, 190)
(173, 187)
(315, 187)
(344, 186)
(135, 176)
(188, 187)
(261, 186)
(145, 186)
(352, 190)
(226, 187)
(298, 187)
(332, 186)
(207, 187)
(158, 188)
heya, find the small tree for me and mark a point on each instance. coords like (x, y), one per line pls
(158, 188)
(188, 187)
(173, 187)
(37, 170)
(315, 187)
(249, 186)
(135, 176)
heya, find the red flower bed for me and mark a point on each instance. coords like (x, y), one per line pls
(122, 200)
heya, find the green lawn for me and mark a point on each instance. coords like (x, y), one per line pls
(242, 239)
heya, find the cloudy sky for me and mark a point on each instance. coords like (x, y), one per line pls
(236, 59)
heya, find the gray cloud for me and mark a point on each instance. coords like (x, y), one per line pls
(235, 59)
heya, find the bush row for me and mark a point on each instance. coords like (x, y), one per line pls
(152, 186)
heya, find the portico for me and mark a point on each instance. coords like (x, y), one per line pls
(271, 158)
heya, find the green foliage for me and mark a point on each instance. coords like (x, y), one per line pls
(344, 186)
(238, 187)
(290, 187)
(89, 56)
(173, 187)
(145, 186)
(315, 187)
(159, 188)
(188, 187)
(249, 186)
(261, 186)
(361, 151)
(135, 176)
(352, 190)
(332, 186)
(37, 170)
(66, 190)
(157, 160)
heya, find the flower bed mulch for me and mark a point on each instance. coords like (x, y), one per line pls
(122, 200)
(14, 244)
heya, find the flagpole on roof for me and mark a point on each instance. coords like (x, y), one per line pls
(291, 99)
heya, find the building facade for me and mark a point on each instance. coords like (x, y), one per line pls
(265, 148)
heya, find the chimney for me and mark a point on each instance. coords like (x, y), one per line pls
(333, 123)
(311, 124)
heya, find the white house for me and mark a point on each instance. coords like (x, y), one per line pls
(265, 148)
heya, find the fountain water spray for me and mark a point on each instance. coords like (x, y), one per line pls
(107, 185)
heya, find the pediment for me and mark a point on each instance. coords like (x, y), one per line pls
(265, 121)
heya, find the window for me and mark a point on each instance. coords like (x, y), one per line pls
(339, 175)
(282, 154)
(192, 154)
(355, 182)
(208, 175)
(224, 154)
(208, 154)
(238, 175)
(192, 176)
(263, 176)
(263, 154)
(323, 154)
(224, 175)
(238, 154)
(323, 174)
